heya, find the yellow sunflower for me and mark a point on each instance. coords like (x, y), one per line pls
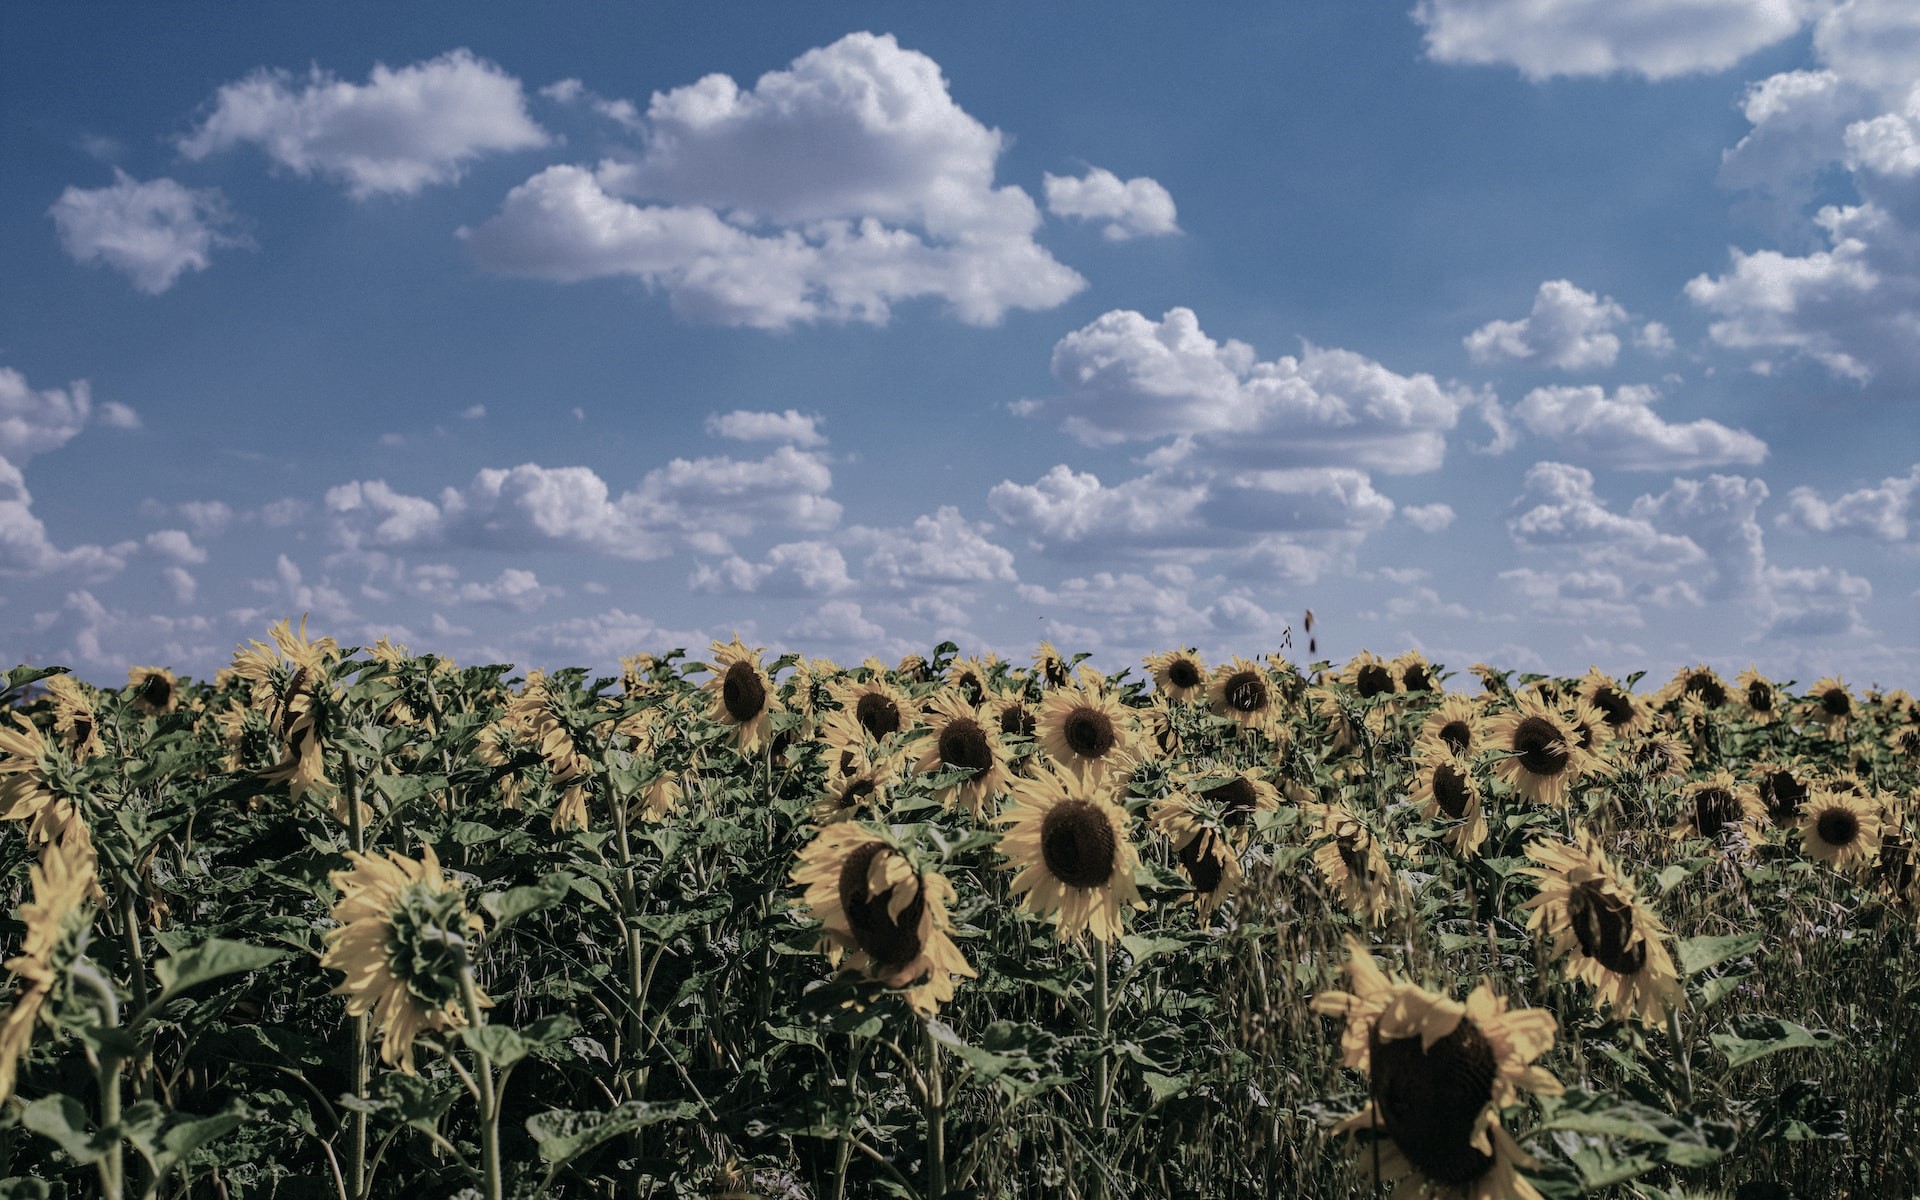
(62, 881)
(889, 919)
(1241, 692)
(973, 676)
(859, 775)
(1204, 852)
(1417, 677)
(1758, 696)
(403, 942)
(875, 704)
(155, 691)
(1700, 681)
(1178, 674)
(1831, 705)
(1457, 722)
(1841, 830)
(958, 735)
(1607, 938)
(1067, 842)
(1658, 756)
(1445, 789)
(1540, 754)
(1626, 714)
(1233, 798)
(1438, 1074)
(1157, 721)
(1014, 715)
(1370, 677)
(1049, 666)
(27, 764)
(1353, 863)
(73, 717)
(1086, 729)
(742, 694)
(1782, 786)
(1719, 805)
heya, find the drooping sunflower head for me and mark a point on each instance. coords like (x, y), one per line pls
(1087, 729)
(1625, 713)
(1840, 829)
(1601, 931)
(1232, 799)
(1589, 727)
(973, 677)
(1068, 843)
(1540, 753)
(63, 881)
(960, 736)
(1370, 677)
(859, 774)
(1718, 807)
(1242, 692)
(887, 915)
(1830, 704)
(1350, 857)
(742, 694)
(1439, 1072)
(73, 717)
(1212, 865)
(1445, 788)
(1178, 674)
(153, 690)
(1458, 723)
(403, 941)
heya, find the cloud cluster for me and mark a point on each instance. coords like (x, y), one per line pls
(1658, 39)
(151, 232)
(1567, 328)
(1623, 431)
(1137, 207)
(1884, 512)
(829, 191)
(402, 131)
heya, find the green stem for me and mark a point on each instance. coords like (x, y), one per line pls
(1102, 1067)
(934, 1105)
(362, 1073)
(137, 967)
(489, 1100)
(112, 1165)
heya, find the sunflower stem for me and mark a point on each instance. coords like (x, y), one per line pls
(1101, 1066)
(935, 1107)
(112, 1164)
(489, 1098)
(1680, 1054)
(362, 1073)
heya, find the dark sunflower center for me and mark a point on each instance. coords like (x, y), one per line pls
(1352, 841)
(1603, 925)
(1089, 732)
(878, 715)
(964, 744)
(971, 687)
(889, 941)
(1708, 687)
(1430, 1101)
(742, 693)
(1236, 798)
(1246, 692)
(1200, 858)
(1077, 844)
(1451, 790)
(1838, 827)
(1373, 680)
(858, 792)
(1416, 679)
(1458, 735)
(1835, 702)
(1759, 697)
(156, 691)
(1614, 706)
(82, 729)
(1541, 749)
(1182, 673)
(1016, 721)
(1783, 795)
(1714, 808)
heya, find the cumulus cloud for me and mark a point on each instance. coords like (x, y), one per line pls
(1578, 597)
(151, 232)
(1137, 207)
(514, 588)
(938, 548)
(1568, 328)
(1658, 39)
(1623, 431)
(801, 429)
(810, 568)
(829, 191)
(86, 633)
(842, 623)
(401, 131)
(25, 549)
(36, 420)
(1430, 518)
(1884, 512)
(1814, 602)
(1560, 508)
(1127, 378)
(1067, 509)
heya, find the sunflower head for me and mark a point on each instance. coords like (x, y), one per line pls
(1242, 692)
(1446, 789)
(1540, 752)
(1782, 788)
(742, 694)
(1700, 681)
(1625, 714)
(1087, 729)
(153, 690)
(1841, 829)
(1601, 931)
(1370, 677)
(1050, 667)
(1178, 674)
(1830, 704)
(1067, 841)
(1718, 806)
(1354, 865)
(63, 881)
(875, 704)
(960, 736)
(1458, 723)
(1417, 676)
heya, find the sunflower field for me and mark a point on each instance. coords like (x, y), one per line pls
(358, 923)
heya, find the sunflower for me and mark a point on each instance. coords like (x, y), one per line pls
(1351, 860)
(1626, 714)
(1232, 798)
(289, 682)
(888, 918)
(1840, 830)
(155, 691)
(913, 669)
(1540, 753)
(1493, 681)
(1013, 715)
(1718, 805)
(1241, 692)
(1087, 729)
(403, 944)
(859, 775)
(1445, 789)
(27, 766)
(973, 676)
(1831, 704)
(742, 694)
(1458, 723)
(1657, 756)
(62, 881)
(1417, 676)
(958, 736)
(73, 718)
(1608, 939)
(1178, 674)
(1067, 841)
(1782, 787)
(1439, 1072)
(1701, 681)
(1369, 677)
(1204, 852)
(1157, 721)
(875, 704)
(1757, 695)
(1049, 666)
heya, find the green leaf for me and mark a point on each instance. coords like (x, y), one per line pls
(1757, 1037)
(183, 1138)
(562, 1135)
(61, 1118)
(1699, 953)
(514, 903)
(498, 1044)
(211, 959)
(1165, 1087)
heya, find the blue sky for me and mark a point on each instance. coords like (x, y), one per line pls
(1546, 334)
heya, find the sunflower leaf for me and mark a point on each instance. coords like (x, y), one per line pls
(562, 1135)
(211, 959)
(1757, 1037)
(61, 1118)
(1699, 953)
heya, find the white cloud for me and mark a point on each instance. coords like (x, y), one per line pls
(1884, 512)
(85, 633)
(941, 548)
(25, 549)
(151, 232)
(801, 429)
(1594, 597)
(181, 583)
(840, 623)
(1655, 38)
(1568, 328)
(597, 641)
(1719, 515)
(1430, 518)
(401, 131)
(1623, 430)
(1814, 602)
(174, 546)
(1067, 509)
(36, 420)
(1653, 338)
(1137, 207)
(826, 192)
(514, 588)
(809, 568)
(1562, 509)
(1126, 378)
(473, 412)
